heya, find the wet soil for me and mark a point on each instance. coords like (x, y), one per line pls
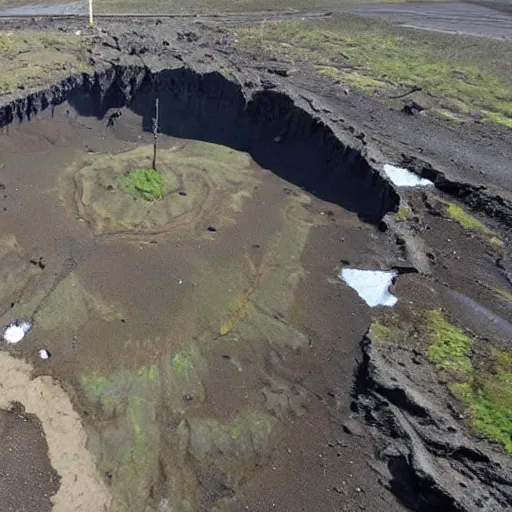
(27, 478)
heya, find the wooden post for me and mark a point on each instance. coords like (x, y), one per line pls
(91, 19)
(155, 134)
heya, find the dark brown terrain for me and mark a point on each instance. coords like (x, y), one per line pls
(205, 355)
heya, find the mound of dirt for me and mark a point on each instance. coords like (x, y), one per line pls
(195, 177)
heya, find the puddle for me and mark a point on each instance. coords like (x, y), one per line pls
(403, 178)
(371, 285)
(16, 331)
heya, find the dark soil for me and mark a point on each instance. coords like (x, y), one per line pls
(27, 479)
(358, 427)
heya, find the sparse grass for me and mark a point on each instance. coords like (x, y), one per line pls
(30, 58)
(182, 363)
(503, 293)
(451, 348)
(468, 221)
(379, 331)
(483, 382)
(498, 118)
(144, 183)
(455, 76)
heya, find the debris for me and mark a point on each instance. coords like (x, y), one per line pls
(411, 108)
(353, 427)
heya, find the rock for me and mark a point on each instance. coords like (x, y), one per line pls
(411, 108)
(353, 427)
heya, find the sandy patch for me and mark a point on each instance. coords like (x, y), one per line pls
(81, 487)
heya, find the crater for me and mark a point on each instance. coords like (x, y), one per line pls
(173, 295)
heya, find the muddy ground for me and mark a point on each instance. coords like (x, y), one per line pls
(204, 353)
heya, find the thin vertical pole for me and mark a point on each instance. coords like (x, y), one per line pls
(155, 133)
(91, 19)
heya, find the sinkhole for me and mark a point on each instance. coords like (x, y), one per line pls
(171, 299)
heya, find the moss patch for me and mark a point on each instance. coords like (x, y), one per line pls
(503, 293)
(145, 183)
(451, 348)
(489, 399)
(379, 331)
(403, 214)
(483, 382)
(121, 194)
(468, 221)
(372, 55)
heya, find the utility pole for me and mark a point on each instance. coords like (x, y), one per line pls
(155, 134)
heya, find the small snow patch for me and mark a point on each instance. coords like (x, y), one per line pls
(16, 331)
(44, 354)
(403, 178)
(371, 285)
(78, 32)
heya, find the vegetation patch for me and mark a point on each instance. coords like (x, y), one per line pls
(451, 348)
(182, 363)
(144, 183)
(489, 399)
(30, 58)
(403, 214)
(372, 55)
(379, 331)
(503, 293)
(468, 221)
(483, 381)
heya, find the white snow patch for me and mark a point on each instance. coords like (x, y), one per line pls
(16, 331)
(403, 178)
(78, 32)
(371, 285)
(44, 354)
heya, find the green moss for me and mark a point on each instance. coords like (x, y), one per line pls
(95, 385)
(182, 363)
(485, 386)
(379, 331)
(503, 293)
(450, 348)
(498, 118)
(403, 214)
(489, 399)
(145, 183)
(468, 221)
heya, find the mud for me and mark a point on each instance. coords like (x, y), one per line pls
(215, 369)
